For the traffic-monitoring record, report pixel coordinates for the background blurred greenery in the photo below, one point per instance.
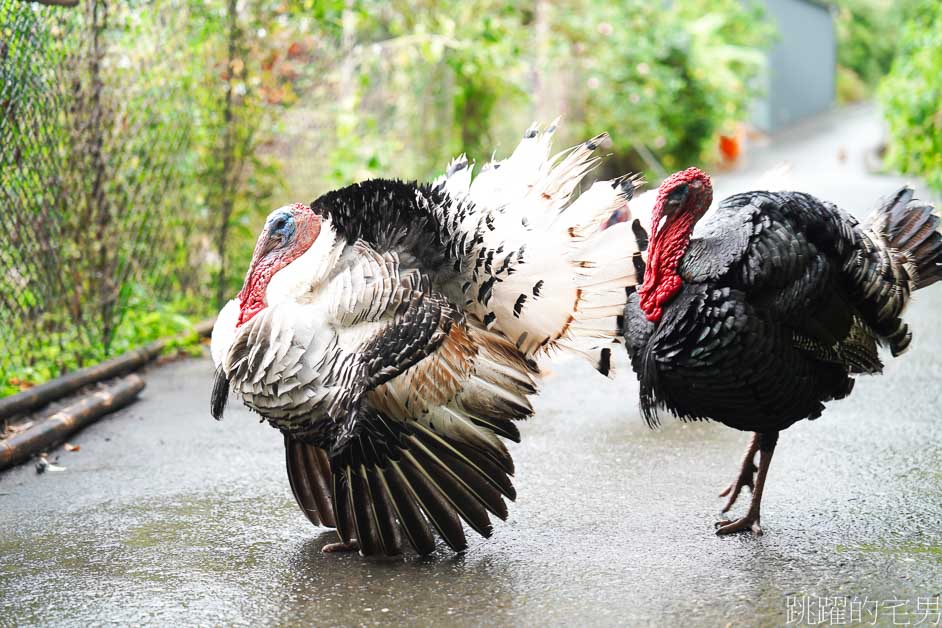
(192, 119)
(912, 95)
(868, 32)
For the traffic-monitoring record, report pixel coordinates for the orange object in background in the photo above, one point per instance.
(729, 147)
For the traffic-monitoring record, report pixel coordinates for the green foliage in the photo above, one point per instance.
(416, 84)
(868, 33)
(850, 88)
(912, 96)
(232, 83)
(640, 70)
(144, 321)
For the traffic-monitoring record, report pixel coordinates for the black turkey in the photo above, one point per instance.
(771, 310)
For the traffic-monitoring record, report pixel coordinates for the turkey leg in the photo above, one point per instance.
(746, 475)
(766, 446)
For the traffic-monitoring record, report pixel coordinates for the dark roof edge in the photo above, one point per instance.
(824, 4)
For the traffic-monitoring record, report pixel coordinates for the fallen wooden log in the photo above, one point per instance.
(56, 428)
(50, 391)
(57, 3)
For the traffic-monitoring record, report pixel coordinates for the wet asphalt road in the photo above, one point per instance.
(168, 517)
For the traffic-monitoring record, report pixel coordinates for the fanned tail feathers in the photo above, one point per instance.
(911, 226)
(429, 453)
(906, 256)
(409, 482)
(540, 270)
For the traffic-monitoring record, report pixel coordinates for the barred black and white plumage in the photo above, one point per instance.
(390, 330)
(773, 306)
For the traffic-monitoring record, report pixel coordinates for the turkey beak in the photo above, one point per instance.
(668, 211)
(661, 223)
(265, 245)
(672, 205)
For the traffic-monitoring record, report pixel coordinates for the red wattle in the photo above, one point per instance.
(662, 281)
(668, 245)
(252, 295)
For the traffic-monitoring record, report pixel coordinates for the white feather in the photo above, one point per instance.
(224, 331)
(297, 278)
(567, 275)
(642, 207)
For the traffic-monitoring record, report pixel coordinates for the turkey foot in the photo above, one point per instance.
(349, 546)
(740, 525)
(765, 444)
(746, 475)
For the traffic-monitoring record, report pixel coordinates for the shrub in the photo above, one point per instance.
(666, 77)
(912, 96)
(868, 32)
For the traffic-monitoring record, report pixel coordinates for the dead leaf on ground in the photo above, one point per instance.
(71, 447)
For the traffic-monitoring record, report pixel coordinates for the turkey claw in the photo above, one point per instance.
(727, 526)
(332, 548)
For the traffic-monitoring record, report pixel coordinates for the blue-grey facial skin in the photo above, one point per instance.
(281, 228)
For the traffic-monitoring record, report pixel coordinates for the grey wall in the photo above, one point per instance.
(800, 76)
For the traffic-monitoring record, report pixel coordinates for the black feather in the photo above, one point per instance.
(605, 361)
(309, 478)
(440, 513)
(383, 507)
(484, 292)
(451, 487)
(343, 515)
(476, 478)
(414, 525)
(389, 474)
(494, 469)
(220, 394)
(641, 236)
(518, 305)
(638, 262)
(364, 519)
(502, 427)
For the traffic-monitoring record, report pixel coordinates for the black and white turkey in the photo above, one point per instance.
(770, 308)
(390, 330)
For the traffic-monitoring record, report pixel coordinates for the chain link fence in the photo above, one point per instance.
(98, 220)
